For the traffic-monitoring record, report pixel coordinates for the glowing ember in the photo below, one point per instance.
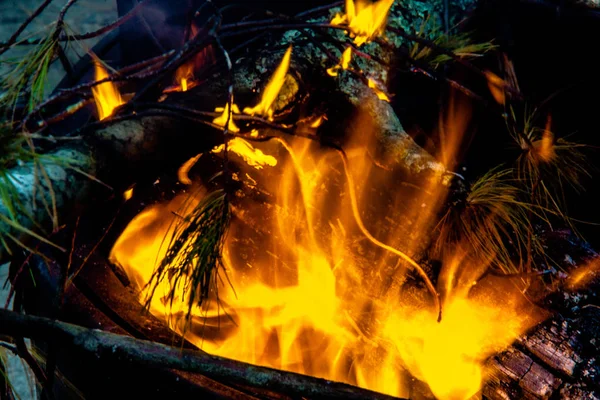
(365, 19)
(316, 297)
(106, 94)
(271, 91)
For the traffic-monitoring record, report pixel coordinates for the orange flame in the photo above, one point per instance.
(106, 95)
(310, 293)
(544, 148)
(343, 64)
(271, 91)
(380, 93)
(366, 19)
(227, 116)
(183, 74)
(496, 86)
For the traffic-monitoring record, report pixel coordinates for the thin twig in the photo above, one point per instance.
(120, 21)
(24, 25)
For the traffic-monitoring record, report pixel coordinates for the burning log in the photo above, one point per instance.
(127, 349)
(133, 145)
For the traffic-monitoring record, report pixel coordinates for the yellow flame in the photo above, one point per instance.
(343, 64)
(222, 119)
(311, 295)
(365, 19)
(380, 93)
(183, 171)
(184, 74)
(317, 122)
(106, 95)
(253, 157)
(128, 194)
(271, 91)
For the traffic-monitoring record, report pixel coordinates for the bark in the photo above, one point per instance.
(127, 349)
(123, 151)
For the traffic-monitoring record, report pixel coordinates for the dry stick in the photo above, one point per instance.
(356, 213)
(24, 25)
(110, 346)
(188, 51)
(120, 21)
(115, 77)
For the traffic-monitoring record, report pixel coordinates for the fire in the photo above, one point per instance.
(271, 91)
(183, 74)
(365, 19)
(227, 116)
(311, 293)
(106, 95)
(343, 64)
(380, 93)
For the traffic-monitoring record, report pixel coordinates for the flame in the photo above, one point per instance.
(380, 93)
(496, 86)
(271, 91)
(182, 172)
(128, 194)
(253, 157)
(227, 115)
(106, 95)
(312, 293)
(544, 147)
(365, 19)
(583, 275)
(343, 64)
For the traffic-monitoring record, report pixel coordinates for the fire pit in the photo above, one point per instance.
(272, 231)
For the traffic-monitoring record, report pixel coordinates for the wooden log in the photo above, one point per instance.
(127, 349)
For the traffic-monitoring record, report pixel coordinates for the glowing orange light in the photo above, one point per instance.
(380, 93)
(343, 64)
(227, 115)
(271, 91)
(545, 146)
(128, 194)
(182, 172)
(106, 95)
(314, 300)
(365, 19)
(496, 86)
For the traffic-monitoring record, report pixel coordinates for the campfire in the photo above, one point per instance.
(302, 231)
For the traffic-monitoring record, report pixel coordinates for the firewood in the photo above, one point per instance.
(127, 349)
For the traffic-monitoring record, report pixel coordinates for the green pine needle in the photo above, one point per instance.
(194, 253)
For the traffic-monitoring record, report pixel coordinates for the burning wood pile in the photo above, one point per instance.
(239, 208)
